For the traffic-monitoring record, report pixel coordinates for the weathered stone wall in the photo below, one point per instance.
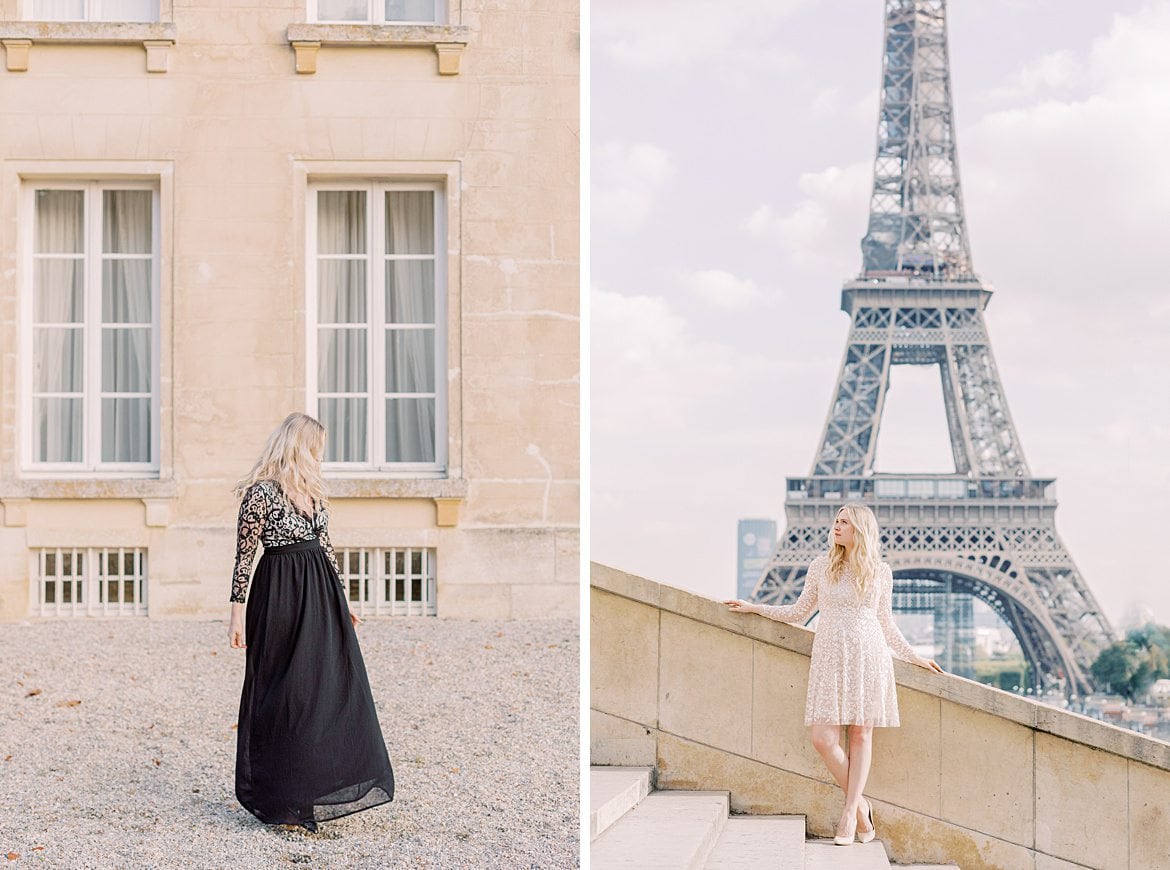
(974, 776)
(234, 134)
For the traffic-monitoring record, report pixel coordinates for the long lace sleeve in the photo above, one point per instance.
(253, 510)
(894, 638)
(327, 546)
(805, 606)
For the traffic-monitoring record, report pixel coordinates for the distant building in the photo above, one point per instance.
(756, 540)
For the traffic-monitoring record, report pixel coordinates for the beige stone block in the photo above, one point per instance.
(567, 564)
(527, 239)
(623, 658)
(1047, 862)
(618, 742)
(564, 502)
(520, 448)
(544, 601)
(1149, 816)
(507, 556)
(705, 689)
(463, 601)
(779, 735)
(986, 773)
(519, 335)
(1081, 812)
(914, 786)
(504, 503)
(911, 837)
(17, 54)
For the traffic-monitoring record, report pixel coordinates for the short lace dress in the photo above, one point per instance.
(851, 675)
(309, 746)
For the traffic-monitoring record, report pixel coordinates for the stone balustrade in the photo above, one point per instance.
(974, 776)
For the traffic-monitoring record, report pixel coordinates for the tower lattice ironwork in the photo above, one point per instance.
(987, 530)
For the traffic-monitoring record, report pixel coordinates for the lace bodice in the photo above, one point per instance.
(839, 599)
(267, 517)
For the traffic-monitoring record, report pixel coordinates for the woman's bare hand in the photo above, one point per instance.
(740, 606)
(236, 635)
(354, 618)
(930, 665)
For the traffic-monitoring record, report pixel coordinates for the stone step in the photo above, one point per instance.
(668, 830)
(760, 843)
(613, 792)
(826, 855)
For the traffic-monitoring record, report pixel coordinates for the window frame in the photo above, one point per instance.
(376, 15)
(91, 464)
(93, 581)
(376, 325)
(373, 579)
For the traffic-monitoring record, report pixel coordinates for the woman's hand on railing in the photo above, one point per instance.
(929, 664)
(740, 606)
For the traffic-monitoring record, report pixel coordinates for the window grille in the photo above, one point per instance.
(397, 581)
(95, 581)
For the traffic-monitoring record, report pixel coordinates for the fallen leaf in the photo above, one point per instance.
(8, 758)
(454, 769)
(156, 762)
(235, 725)
(33, 692)
(38, 848)
(68, 703)
(12, 856)
(499, 634)
(488, 646)
(552, 646)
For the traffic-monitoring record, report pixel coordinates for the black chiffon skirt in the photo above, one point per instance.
(309, 747)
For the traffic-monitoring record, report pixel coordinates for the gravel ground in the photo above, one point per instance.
(117, 748)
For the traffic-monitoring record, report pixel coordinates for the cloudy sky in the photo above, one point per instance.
(732, 155)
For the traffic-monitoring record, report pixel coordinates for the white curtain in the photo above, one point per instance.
(410, 348)
(411, 10)
(99, 10)
(126, 325)
(343, 327)
(343, 10)
(58, 323)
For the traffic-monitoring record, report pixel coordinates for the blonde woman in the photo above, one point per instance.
(308, 747)
(851, 675)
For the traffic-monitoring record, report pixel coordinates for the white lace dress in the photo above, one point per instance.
(851, 676)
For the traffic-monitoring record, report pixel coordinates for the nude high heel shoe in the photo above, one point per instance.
(866, 836)
(847, 841)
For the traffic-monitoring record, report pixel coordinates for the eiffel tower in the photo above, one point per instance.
(986, 531)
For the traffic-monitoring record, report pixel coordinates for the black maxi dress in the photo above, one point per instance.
(309, 747)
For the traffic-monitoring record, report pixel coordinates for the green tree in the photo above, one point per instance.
(1128, 667)
(1116, 666)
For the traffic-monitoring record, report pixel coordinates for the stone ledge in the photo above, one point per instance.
(89, 487)
(448, 41)
(968, 693)
(389, 487)
(156, 38)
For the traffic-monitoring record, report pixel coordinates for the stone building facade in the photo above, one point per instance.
(216, 212)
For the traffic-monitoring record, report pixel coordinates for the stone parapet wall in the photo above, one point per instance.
(974, 776)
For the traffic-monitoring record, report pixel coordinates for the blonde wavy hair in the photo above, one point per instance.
(292, 458)
(866, 555)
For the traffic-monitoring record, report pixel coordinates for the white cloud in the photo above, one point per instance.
(722, 289)
(654, 34)
(626, 179)
(826, 226)
(1056, 70)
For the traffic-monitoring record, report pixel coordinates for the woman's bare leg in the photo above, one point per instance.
(826, 739)
(860, 756)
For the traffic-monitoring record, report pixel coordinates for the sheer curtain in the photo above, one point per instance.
(342, 323)
(412, 10)
(99, 10)
(410, 326)
(126, 329)
(58, 325)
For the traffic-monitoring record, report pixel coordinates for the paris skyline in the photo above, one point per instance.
(730, 194)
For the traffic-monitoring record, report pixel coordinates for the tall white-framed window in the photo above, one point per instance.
(378, 11)
(90, 581)
(90, 319)
(91, 10)
(397, 581)
(376, 319)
